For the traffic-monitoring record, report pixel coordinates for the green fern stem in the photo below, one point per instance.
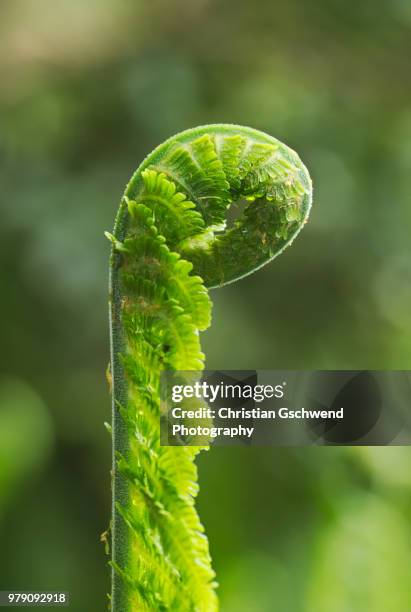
(175, 237)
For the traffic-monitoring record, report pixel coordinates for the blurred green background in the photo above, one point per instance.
(89, 88)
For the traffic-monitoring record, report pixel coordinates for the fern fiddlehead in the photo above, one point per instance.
(173, 239)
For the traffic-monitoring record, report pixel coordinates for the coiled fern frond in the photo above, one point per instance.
(176, 236)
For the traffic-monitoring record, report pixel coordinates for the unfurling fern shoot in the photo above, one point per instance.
(173, 240)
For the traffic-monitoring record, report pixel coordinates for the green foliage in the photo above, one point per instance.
(347, 571)
(173, 239)
(26, 437)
